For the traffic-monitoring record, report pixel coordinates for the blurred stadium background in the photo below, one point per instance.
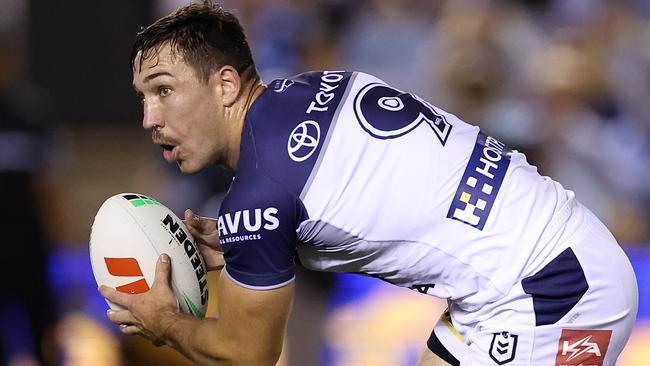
(566, 81)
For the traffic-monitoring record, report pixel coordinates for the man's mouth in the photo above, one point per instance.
(170, 153)
(170, 147)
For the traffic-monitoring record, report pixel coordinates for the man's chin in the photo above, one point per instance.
(187, 168)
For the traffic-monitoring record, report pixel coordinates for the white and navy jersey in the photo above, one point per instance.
(353, 175)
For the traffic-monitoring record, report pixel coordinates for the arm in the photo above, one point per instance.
(249, 331)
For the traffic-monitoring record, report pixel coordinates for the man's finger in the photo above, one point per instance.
(200, 224)
(213, 259)
(190, 218)
(194, 231)
(163, 270)
(121, 317)
(130, 329)
(188, 213)
(114, 296)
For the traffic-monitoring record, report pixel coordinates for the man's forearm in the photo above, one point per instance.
(205, 343)
(199, 340)
(249, 331)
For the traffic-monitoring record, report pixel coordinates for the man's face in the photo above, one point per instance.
(183, 111)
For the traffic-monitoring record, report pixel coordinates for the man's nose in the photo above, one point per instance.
(151, 117)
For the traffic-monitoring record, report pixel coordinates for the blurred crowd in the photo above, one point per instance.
(565, 81)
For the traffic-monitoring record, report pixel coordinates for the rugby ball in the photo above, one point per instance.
(128, 234)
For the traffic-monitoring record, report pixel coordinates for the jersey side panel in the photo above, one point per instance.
(390, 178)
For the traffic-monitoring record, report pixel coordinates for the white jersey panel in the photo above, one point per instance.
(379, 202)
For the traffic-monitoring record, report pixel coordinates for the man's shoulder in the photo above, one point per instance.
(286, 127)
(312, 95)
(254, 187)
(308, 81)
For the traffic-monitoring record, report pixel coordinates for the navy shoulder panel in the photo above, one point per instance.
(284, 132)
(286, 128)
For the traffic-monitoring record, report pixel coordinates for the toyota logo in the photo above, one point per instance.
(303, 141)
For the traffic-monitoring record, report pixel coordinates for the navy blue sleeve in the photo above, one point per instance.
(257, 229)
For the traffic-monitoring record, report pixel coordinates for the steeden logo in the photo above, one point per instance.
(303, 141)
(582, 347)
(127, 267)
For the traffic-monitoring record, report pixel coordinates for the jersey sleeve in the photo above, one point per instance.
(257, 229)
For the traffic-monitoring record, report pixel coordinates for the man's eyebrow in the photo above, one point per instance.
(149, 78)
(155, 75)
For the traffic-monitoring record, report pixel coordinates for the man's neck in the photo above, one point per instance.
(237, 116)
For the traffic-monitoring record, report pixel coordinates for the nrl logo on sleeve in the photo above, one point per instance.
(503, 347)
(582, 347)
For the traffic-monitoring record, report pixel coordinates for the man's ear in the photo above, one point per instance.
(228, 80)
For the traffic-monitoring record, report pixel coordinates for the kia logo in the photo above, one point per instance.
(303, 141)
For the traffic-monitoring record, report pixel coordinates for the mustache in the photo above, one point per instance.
(162, 139)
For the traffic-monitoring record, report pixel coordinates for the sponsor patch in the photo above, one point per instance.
(481, 182)
(582, 347)
(303, 141)
(503, 347)
(246, 223)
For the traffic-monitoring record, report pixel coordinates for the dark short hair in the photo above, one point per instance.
(205, 35)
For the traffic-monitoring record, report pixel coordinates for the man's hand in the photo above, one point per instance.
(148, 314)
(206, 236)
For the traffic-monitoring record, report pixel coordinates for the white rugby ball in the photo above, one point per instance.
(130, 231)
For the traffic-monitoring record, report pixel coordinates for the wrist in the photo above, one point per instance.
(176, 328)
(166, 331)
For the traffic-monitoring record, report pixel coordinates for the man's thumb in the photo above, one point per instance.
(163, 269)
